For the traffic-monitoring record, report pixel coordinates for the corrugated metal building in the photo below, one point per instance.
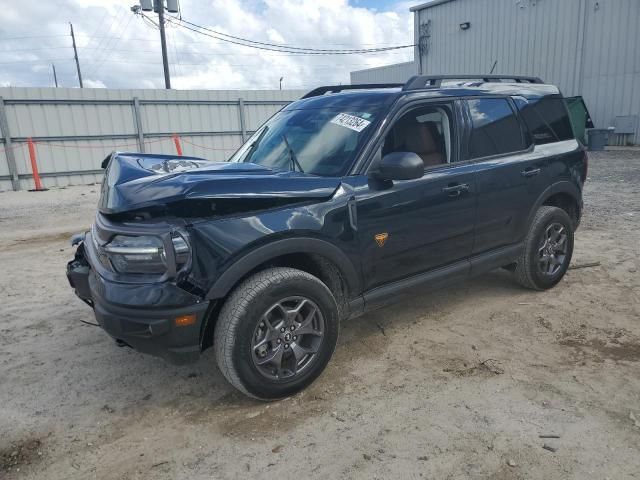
(397, 73)
(586, 47)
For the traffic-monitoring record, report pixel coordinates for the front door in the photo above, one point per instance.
(408, 227)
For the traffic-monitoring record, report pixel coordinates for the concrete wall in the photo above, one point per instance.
(586, 47)
(75, 129)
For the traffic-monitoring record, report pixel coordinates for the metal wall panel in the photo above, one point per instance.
(586, 47)
(75, 129)
(396, 73)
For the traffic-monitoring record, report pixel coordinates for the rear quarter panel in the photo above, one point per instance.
(567, 163)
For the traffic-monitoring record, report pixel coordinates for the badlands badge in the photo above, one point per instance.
(381, 238)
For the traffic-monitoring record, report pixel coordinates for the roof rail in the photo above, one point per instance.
(338, 88)
(418, 82)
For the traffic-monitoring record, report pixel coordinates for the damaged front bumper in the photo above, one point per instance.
(159, 319)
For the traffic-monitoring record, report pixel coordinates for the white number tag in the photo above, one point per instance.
(351, 122)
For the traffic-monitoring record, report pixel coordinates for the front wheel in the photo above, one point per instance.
(547, 250)
(276, 333)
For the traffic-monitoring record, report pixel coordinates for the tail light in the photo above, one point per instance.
(585, 162)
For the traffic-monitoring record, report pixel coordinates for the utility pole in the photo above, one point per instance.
(75, 54)
(55, 77)
(158, 6)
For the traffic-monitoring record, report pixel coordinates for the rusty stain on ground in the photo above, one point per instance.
(599, 349)
(489, 366)
(40, 239)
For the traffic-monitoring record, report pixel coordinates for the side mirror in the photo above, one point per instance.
(400, 166)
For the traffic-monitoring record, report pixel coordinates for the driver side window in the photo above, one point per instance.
(425, 131)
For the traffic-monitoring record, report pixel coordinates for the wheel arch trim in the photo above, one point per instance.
(564, 186)
(299, 245)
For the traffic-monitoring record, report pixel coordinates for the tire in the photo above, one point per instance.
(532, 271)
(252, 351)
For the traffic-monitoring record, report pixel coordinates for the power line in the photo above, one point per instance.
(182, 64)
(280, 47)
(34, 49)
(208, 42)
(152, 40)
(158, 7)
(197, 53)
(105, 47)
(176, 64)
(102, 44)
(135, 39)
(108, 53)
(40, 60)
(337, 52)
(97, 28)
(32, 36)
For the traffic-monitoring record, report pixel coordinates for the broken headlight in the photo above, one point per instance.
(145, 254)
(182, 251)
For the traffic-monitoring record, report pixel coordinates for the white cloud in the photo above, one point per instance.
(274, 36)
(89, 83)
(120, 50)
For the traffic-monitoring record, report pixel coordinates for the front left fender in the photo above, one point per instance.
(299, 245)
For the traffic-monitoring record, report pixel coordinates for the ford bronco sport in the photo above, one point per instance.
(341, 203)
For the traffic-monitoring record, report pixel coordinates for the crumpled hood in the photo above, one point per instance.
(138, 180)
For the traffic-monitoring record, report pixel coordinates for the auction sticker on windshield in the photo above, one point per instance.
(351, 122)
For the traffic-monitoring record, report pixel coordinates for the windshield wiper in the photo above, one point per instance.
(292, 156)
(254, 146)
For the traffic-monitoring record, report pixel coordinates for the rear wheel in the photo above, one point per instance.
(276, 333)
(547, 251)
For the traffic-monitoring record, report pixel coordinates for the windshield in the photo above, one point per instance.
(317, 141)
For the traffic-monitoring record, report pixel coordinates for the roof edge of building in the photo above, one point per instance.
(391, 65)
(432, 3)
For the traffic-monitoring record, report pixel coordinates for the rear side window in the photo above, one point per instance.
(495, 128)
(547, 119)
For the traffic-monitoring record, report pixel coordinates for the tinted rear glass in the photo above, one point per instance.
(496, 130)
(547, 120)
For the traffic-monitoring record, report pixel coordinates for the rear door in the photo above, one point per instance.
(510, 174)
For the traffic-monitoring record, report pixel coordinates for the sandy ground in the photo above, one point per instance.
(456, 384)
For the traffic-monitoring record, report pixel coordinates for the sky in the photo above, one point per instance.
(118, 49)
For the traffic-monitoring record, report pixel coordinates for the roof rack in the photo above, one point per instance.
(339, 88)
(418, 82)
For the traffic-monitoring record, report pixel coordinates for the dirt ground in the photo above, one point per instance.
(461, 383)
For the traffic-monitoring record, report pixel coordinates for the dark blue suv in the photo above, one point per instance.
(342, 202)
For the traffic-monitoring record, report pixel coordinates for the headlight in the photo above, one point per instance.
(182, 251)
(145, 254)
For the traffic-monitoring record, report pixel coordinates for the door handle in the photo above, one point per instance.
(530, 172)
(456, 189)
